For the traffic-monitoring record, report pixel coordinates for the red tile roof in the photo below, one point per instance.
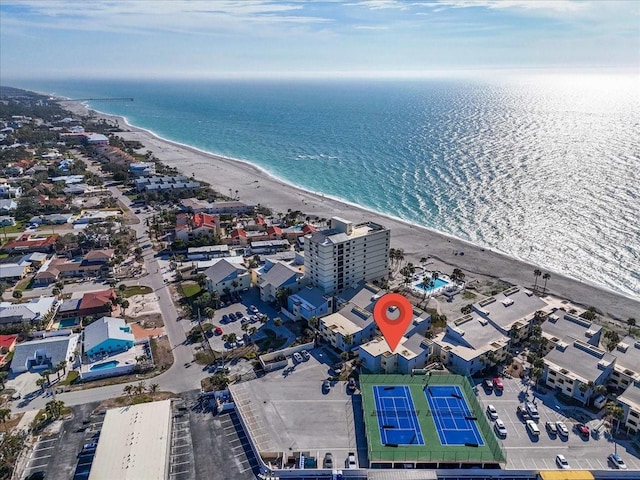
(97, 299)
(7, 341)
(260, 221)
(238, 232)
(28, 242)
(308, 229)
(204, 220)
(274, 231)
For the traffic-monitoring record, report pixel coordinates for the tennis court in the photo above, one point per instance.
(454, 421)
(397, 416)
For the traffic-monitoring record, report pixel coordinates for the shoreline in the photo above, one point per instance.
(258, 186)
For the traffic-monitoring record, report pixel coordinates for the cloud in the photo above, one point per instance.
(371, 27)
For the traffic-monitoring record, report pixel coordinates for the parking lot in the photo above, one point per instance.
(288, 411)
(525, 451)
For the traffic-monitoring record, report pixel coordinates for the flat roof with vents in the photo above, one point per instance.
(134, 443)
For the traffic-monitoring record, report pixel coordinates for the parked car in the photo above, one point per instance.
(225, 318)
(492, 413)
(561, 461)
(617, 462)
(351, 385)
(533, 428)
(351, 460)
(532, 410)
(552, 428)
(297, 357)
(239, 314)
(326, 386)
(305, 355)
(522, 413)
(232, 317)
(497, 384)
(337, 367)
(254, 309)
(328, 461)
(488, 383)
(582, 430)
(500, 428)
(562, 429)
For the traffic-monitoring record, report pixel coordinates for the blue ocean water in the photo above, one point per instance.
(542, 167)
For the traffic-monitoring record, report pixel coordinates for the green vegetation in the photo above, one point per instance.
(272, 342)
(190, 289)
(72, 377)
(467, 295)
(204, 357)
(137, 290)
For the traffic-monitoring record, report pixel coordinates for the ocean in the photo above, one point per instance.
(542, 167)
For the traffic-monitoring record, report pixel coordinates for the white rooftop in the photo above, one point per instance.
(134, 443)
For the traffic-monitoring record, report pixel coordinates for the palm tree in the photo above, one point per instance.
(632, 323)
(3, 376)
(546, 277)
(139, 388)
(124, 304)
(614, 412)
(128, 390)
(41, 382)
(314, 322)
(536, 273)
(46, 374)
(54, 408)
(153, 388)
(17, 294)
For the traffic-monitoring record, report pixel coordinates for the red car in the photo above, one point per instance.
(218, 331)
(582, 429)
(497, 383)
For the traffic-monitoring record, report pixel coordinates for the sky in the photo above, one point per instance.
(252, 38)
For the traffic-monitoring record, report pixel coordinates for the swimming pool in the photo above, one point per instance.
(105, 365)
(436, 284)
(67, 322)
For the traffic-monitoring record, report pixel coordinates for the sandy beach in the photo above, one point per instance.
(258, 187)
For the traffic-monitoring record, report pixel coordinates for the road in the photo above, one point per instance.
(178, 378)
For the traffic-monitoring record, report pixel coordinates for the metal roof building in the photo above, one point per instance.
(134, 443)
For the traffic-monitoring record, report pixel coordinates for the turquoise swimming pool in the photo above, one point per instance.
(105, 365)
(67, 323)
(436, 284)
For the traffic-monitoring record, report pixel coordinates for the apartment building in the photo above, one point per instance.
(630, 403)
(345, 254)
(560, 324)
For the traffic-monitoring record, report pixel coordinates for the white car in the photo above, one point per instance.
(562, 462)
(532, 410)
(562, 429)
(617, 462)
(500, 428)
(253, 309)
(351, 460)
(533, 428)
(492, 412)
(297, 357)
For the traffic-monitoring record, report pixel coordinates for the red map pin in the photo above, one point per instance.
(393, 328)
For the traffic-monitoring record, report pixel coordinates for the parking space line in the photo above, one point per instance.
(181, 463)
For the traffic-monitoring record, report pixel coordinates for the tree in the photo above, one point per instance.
(124, 304)
(457, 275)
(632, 323)
(3, 376)
(139, 388)
(536, 273)
(46, 374)
(277, 321)
(612, 339)
(546, 277)
(17, 294)
(128, 390)
(41, 382)
(314, 322)
(5, 413)
(54, 408)
(122, 288)
(153, 388)
(614, 412)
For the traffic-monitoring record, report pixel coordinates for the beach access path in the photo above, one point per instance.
(256, 186)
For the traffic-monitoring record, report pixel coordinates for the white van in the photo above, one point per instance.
(533, 428)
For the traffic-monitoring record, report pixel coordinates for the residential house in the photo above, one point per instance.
(270, 246)
(225, 276)
(106, 336)
(159, 184)
(411, 353)
(95, 304)
(7, 205)
(238, 236)
(199, 224)
(94, 263)
(309, 302)
(7, 221)
(31, 243)
(96, 139)
(279, 275)
(574, 364)
(12, 272)
(7, 345)
(32, 312)
(44, 354)
(10, 191)
(208, 252)
(142, 169)
(345, 254)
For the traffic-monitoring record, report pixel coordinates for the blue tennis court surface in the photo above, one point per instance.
(397, 416)
(452, 417)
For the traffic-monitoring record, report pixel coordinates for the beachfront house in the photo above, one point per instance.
(225, 276)
(106, 336)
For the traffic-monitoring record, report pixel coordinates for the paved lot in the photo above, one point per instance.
(218, 445)
(525, 452)
(288, 412)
